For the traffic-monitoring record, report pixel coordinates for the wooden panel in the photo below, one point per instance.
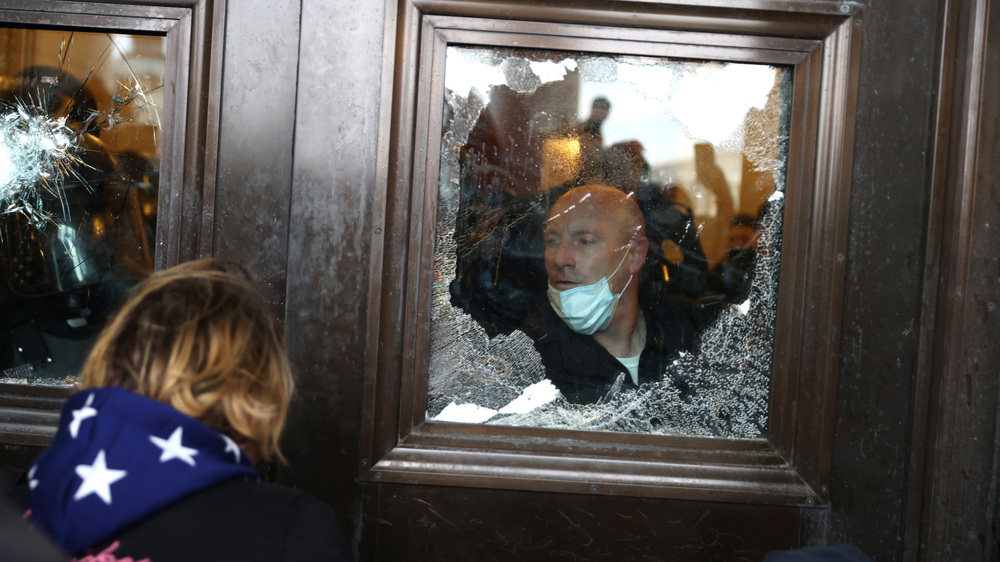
(334, 211)
(336, 136)
(332, 218)
(29, 415)
(254, 182)
(956, 488)
(399, 447)
(881, 327)
(421, 523)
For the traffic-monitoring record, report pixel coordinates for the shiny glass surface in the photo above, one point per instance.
(700, 146)
(80, 135)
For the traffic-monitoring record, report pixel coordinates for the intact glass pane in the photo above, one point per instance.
(79, 174)
(607, 242)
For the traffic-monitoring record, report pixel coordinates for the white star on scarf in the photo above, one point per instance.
(97, 479)
(232, 446)
(81, 414)
(172, 447)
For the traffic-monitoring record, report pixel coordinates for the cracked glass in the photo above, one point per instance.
(607, 242)
(79, 176)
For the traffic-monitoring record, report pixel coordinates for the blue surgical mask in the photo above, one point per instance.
(588, 308)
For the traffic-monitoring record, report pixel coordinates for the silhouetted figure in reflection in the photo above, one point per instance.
(600, 330)
(591, 139)
(138, 185)
(731, 277)
(72, 251)
(676, 264)
(590, 129)
(710, 178)
(499, 273)
(624, 167)
(503, 266)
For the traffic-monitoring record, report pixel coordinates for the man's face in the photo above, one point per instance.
(583, 244)
(742, 237)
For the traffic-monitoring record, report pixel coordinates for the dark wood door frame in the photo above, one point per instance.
(952, 504)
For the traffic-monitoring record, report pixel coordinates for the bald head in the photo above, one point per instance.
(611, 204)
(592, 229)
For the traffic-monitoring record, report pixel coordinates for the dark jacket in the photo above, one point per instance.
(242, 520)
(127, 477)
(585, 372)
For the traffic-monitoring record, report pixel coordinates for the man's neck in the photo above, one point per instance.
(626, 335)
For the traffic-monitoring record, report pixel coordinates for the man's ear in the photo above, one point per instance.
(637, 257)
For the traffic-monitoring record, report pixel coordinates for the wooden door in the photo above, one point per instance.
(303, 104)
(908, 400)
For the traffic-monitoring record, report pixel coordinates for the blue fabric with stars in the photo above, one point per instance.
(118, 457)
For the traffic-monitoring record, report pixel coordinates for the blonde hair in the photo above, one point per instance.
(200, 338)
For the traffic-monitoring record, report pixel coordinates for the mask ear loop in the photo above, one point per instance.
(627, 283)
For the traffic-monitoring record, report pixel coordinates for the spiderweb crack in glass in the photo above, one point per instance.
(37, 152)
(79, 181)
(730, 374)
(40, 148)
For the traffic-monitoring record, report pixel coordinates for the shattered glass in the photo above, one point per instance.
(80, 135)
(699, 145)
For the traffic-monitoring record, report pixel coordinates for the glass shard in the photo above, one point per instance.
(697, 150)
(80, 136)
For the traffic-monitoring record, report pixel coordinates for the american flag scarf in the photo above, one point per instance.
(118, 457)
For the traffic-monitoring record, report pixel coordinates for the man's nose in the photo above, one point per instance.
(562, 255)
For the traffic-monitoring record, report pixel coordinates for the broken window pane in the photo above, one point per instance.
(607, 242)
(79, 175)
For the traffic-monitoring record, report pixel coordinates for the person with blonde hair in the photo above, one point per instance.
(185, 389)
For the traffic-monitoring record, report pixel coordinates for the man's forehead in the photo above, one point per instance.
(578, 203)
(576, 217)
(595, 207)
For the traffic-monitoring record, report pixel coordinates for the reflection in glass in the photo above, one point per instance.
(698, 149)
(79, 176)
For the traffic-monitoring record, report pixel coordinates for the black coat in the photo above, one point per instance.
(238, 519)
(585, 372)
